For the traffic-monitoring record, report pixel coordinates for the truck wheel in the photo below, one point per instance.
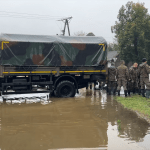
(65, 89)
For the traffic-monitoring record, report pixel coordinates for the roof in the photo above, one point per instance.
(111, 54)
(52, 39)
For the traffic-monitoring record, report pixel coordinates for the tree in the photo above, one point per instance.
(80, 33)
(90, 34)
(132, 32)
(112, 47)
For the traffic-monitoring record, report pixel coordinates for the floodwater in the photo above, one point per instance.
(88, 121)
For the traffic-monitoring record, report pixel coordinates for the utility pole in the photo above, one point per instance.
(66, 21)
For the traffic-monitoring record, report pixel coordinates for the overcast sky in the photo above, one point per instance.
(95, 16)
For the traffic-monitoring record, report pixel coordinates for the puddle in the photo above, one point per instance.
(87, 121)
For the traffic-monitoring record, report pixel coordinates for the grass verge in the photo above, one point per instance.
(138, 104)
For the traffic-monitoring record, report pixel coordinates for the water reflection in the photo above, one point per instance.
(84, 121)
(132, 127)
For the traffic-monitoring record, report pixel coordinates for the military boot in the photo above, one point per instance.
(109, 91)
(125, 92)
(129, 92)
(139, 91)
(133, 91)
(147, 93)
(114, 92)
(136, 91)
(143, 92)
(118, 92)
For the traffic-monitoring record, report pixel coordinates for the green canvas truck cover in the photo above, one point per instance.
(43, 50)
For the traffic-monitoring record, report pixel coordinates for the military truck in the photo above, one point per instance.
(60, 64)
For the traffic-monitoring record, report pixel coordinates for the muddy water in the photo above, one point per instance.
(88, 121)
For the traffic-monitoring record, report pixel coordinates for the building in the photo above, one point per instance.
(113, 55)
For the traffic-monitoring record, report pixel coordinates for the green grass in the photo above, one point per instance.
(119, 121)
(119, 125)
(136, 103)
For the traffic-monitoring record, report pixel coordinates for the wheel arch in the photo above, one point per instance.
(66, 77)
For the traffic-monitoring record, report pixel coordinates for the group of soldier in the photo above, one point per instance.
(133, 79)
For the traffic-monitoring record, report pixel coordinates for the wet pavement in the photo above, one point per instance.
(90, 120)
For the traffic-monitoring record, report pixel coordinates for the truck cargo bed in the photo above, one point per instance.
(31, 50)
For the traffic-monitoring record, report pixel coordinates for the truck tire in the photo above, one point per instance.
(65, 89)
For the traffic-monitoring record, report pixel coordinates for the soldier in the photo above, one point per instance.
(133, 78)
(143, 72)
(122, 77)
(112, 79)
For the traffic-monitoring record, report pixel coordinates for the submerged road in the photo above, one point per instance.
(88, 121)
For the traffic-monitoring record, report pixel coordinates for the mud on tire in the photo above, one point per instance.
(65, 89)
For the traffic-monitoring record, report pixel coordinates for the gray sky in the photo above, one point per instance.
(95, 16)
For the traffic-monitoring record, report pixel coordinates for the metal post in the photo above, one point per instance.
(66, 24)
(68, 27)
(30, 83)
(64, 27)
(87, 86)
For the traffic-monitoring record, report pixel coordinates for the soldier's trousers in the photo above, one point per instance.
(122, 82)
(112, 85)
(129, 86)
(132, 85)
(143, 82)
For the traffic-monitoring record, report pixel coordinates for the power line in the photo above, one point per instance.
(31, 14)
(28, 17)
(60, 28)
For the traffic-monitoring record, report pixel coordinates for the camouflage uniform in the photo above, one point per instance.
(122, 77)
(143, 72)
(133, 84)
(112, 79)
